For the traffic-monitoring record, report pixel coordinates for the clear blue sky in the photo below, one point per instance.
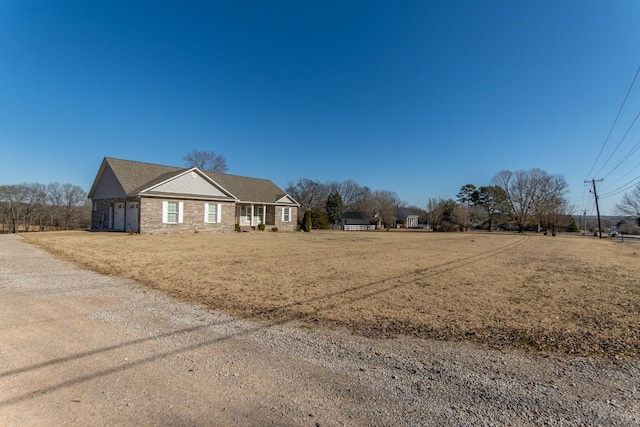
(416, 97)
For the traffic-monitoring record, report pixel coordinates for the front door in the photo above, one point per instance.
(260, 214)
(244, 215)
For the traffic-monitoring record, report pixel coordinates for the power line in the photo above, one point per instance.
(613, 125)
(622, 188)
(616, 149)
(622, 177)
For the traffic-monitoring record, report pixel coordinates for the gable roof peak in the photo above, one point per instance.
(136, 176)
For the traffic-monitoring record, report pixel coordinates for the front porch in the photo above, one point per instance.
(251, 215)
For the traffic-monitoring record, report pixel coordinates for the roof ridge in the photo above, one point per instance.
(239, 176)
(185, 168)
(144, 163)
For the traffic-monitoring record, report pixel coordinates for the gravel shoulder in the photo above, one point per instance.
(80, 348)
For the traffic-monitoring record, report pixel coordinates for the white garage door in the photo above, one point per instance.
(133, 224)
(118, 216)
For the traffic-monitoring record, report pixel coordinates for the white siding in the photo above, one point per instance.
(284, 200)
(108, 187)
(191, 183)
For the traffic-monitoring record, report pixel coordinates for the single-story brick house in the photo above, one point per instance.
(149, 198)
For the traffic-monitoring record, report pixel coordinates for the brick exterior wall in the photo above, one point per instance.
(291, 225)
(100, 216)
(192, 218)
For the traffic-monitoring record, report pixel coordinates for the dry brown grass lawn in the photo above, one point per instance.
(577, 295)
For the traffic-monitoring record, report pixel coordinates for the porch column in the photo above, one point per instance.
(253, 214)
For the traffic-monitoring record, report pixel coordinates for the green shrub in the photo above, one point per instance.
(319, 220)
(261, 227)
(307, 221)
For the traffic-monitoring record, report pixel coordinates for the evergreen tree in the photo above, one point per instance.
(572, 227)
(493, 200)
(468, 195)
(334, 207)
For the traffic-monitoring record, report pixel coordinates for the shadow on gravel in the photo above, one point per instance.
(121, 367)
(279, 320)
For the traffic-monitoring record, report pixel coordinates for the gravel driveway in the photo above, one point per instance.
(79, 348)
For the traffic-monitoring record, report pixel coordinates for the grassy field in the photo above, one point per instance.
(568, 294)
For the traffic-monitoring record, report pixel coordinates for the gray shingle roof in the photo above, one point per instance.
(138, 176)
(248, 189)
(355, 215)
(134, 176)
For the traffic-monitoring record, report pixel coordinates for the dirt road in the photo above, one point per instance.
(79, 348)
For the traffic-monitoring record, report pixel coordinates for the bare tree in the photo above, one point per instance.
(629, 226)
(435, 213)
(54, 203)
(365, 201)
(310, 194)
(351, 193)
(380, 206)
(12, 202)
(73, 201)
(555, 215)
(630, 204)
(34, 203)
(206, 160)
(529, 193)
(383, 206)
(462, 215)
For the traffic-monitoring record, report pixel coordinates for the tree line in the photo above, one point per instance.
(322, 204)
(33, 206)
(513, 201)
(630, 204)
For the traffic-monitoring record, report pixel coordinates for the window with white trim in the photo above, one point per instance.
(172, 212)
(212, 212)
(286, 214)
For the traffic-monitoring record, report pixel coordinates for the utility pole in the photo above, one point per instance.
(593, 182)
